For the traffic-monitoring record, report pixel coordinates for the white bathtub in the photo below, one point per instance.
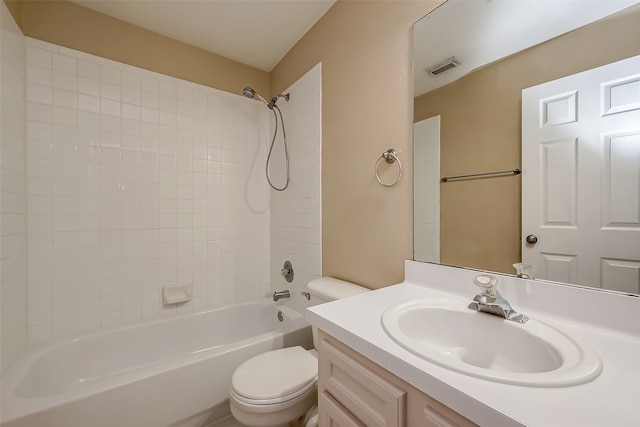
(173, 372)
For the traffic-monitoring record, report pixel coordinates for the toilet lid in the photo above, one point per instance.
(275, 374)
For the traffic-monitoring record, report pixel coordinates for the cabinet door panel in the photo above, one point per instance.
(369, 397)
(367, 394)
(438, 415)
(333, 414)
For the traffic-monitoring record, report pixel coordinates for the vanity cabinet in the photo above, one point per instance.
(355, 392)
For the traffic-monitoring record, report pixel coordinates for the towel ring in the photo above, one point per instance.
(391, 155)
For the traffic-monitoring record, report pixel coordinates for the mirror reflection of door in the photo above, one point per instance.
(426, 207)
(581, 180)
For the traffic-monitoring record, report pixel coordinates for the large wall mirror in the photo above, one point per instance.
(472, 61)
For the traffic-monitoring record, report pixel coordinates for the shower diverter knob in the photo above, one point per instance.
(287, 271)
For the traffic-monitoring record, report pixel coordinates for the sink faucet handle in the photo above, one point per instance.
(488, 284)
(523, 270)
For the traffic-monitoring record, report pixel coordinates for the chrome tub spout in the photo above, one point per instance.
(281, 294)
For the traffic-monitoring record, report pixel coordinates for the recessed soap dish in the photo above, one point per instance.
(176, 294)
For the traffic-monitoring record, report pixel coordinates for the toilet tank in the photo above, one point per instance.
(326, 289)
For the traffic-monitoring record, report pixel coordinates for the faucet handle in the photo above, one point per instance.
(523, 270)
(487, 283)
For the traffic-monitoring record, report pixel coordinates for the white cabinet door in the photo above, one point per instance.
(333, 414)
(581, 177)
(363, 393)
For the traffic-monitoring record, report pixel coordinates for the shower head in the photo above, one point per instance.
(250, 93)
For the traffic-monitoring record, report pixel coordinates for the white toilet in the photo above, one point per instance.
(279, 387)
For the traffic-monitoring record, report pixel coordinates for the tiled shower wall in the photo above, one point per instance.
(296, 220)
(137, 181)
(426, 207)
(13, 226)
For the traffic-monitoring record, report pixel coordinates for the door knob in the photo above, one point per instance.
(531, 239)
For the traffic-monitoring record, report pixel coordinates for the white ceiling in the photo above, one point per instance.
(479, 32)
(254, 32)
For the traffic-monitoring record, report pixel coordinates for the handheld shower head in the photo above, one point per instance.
(250, 93)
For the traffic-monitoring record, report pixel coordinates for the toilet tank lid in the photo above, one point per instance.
(331, 289)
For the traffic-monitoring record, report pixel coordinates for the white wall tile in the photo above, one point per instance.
(40, 58)
(39, 75)
(137, 180)
(39, 93)
(65, 64)
(88, 86)
(426, 209)
(14, 320)
(64, 81)
(121, 196)
(296, 225)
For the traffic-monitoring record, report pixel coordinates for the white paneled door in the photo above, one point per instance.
(581, 177)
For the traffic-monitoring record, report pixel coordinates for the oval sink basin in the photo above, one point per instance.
(485, 346)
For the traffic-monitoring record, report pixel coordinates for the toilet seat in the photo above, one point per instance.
(276, 376)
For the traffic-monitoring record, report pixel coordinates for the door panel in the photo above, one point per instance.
(581, 177)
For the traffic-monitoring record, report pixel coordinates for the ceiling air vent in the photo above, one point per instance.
(446, 65)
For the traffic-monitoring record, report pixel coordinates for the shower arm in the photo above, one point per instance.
(275, 99)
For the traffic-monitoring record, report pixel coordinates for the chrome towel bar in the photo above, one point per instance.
(475, 175)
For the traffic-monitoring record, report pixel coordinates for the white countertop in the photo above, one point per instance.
(612, 399)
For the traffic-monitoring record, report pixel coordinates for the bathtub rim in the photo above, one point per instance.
(15, 406)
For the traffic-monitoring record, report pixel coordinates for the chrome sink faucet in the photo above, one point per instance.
(281, 294)
(490, 301)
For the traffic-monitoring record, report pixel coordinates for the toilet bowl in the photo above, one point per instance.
(279, 387)
(274, 388)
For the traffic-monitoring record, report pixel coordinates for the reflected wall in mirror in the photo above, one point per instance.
(480, 118)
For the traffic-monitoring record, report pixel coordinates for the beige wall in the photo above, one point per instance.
(365, 50)
(70, 25)
(480, 131)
